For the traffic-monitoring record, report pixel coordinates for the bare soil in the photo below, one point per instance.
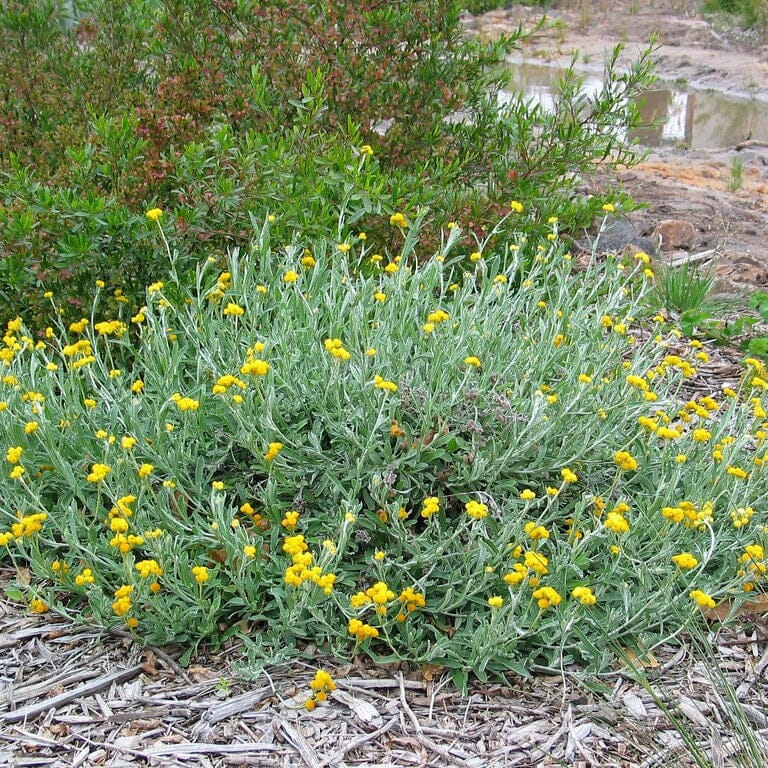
(674, 183)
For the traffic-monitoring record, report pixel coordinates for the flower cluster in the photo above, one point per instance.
(302, 568)
(336, 348)
(321, 686)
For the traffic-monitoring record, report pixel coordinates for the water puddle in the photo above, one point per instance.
(682, 117)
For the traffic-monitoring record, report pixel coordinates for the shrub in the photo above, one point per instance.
(753, 14)
(485, 473)
(218, 111)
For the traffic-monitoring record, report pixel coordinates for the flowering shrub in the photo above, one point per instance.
(485, 472)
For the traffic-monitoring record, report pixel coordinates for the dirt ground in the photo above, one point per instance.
(676, 183)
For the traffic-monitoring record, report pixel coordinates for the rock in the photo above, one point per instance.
(743, 270)
(673, 234)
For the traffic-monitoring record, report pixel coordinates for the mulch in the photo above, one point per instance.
(72, 696)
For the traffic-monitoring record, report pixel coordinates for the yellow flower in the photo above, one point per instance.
(559, 340)
(322, 682)
(536, 562)
(516, 206)
(516, 576)
(274, 449)
(255, 368)
(584, 595)
(568, 476)
(616, 522)
(111, 327)
(200, 572)
(185, 403)
(30, 427)
(154, 214)
(290, 519)
(217, 485)
(527, 494)
(145, 470)
(609, 208)
(536, 532)
(380, 296)
(13, 456)
(702, 598)
(547, 597)
(398, 220)
(495, 601)
(476, 510)
(625, 461)
(128, 442)
(233, 310)
(344, 247)
(361, 631)
(147, 568)
(430, 506)
(741, 516)
(335, 347)
(122, 605)
(381, 383)
(637, 382)
(685, 560)
(84, 577)
(472, 361)
(38, 606)
(438, 316)
(98, 473)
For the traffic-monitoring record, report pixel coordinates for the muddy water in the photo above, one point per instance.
(682, 117)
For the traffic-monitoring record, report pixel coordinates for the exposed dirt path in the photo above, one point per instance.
(676, 183)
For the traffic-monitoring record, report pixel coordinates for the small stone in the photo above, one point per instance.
(674, 233)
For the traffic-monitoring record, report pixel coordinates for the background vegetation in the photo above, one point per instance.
(220, 111)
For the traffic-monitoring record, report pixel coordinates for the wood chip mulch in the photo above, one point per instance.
(73, 696)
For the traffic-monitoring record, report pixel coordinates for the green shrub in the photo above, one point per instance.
(219, 111)
(485, 473)
(752, 14)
